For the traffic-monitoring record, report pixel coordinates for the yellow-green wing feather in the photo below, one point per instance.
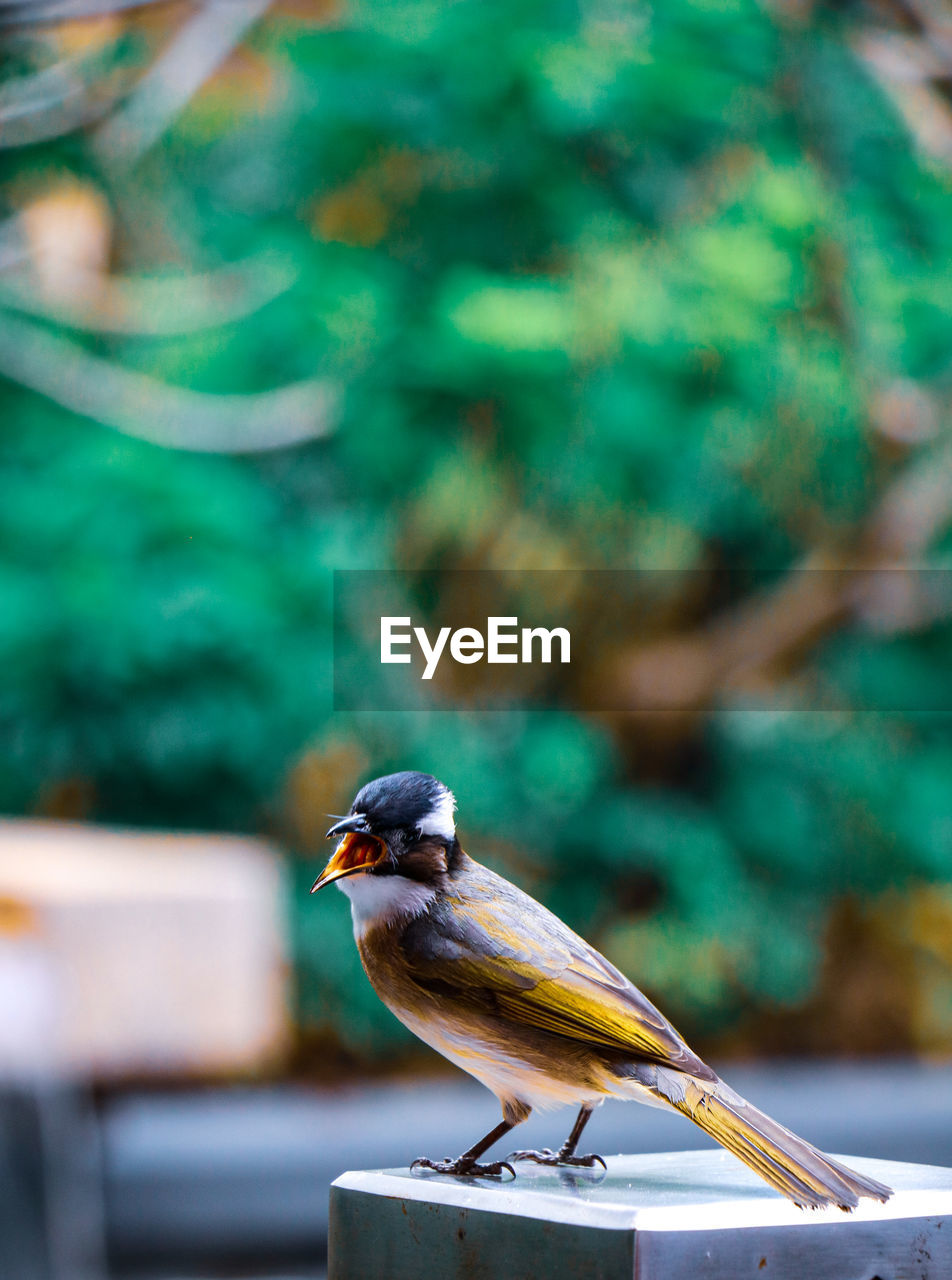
(492, 946)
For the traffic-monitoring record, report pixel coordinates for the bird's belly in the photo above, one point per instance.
(506, 1074)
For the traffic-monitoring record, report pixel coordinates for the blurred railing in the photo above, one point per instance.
(240, 1177)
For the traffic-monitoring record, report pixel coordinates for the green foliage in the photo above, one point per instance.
(602, 286)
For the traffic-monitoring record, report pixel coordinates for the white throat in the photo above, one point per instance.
(377, 901)
(439, 821)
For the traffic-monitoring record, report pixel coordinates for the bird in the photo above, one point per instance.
(500, 986)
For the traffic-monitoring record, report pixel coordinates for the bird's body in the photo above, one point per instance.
(500, 986)
(573, 1021)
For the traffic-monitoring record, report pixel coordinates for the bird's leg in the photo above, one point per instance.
(466, 1165)
(566, 1153)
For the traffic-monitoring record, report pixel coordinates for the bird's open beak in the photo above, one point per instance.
(357, 851)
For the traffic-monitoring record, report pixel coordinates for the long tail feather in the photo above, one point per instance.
(809, 1178)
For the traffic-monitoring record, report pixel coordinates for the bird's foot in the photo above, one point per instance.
(464, 1167)
(556, 1158)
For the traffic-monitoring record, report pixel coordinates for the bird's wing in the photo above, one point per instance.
(493, 947)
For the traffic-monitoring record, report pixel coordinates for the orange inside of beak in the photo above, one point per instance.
(356, 852)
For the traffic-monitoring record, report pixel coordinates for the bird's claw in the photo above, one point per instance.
(545, 1156)
(554, 1158)
(463, 1168)
(588, 1162)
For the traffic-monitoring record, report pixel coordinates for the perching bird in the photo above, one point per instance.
(500, 986)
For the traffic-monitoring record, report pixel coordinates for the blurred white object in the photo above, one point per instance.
(126, 953)
(27, 998)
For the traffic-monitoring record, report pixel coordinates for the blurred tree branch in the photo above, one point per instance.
(748, 646)
(197, 48)
(912, 59)
(143, 307)
(24, 13)
(173, 417)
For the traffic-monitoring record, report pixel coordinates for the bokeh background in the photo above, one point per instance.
(293, 287)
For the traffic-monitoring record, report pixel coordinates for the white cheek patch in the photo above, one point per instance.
(439, 821)
(383, 900)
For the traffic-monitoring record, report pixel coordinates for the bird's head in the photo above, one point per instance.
(398, 825)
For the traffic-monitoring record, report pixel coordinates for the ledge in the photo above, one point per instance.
(678, 1216)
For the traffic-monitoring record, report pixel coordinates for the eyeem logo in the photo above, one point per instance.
(502, 643)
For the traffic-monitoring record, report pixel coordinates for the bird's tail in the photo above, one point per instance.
(795, 1168)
